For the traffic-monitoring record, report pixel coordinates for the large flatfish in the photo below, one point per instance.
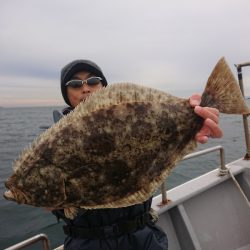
(116, 148)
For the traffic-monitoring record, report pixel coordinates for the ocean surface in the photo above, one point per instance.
(19, 127)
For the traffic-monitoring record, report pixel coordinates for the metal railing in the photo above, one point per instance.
(223, 168)
(245, 121)
(32, 241)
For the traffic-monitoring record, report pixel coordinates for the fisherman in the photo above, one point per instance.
(130, 227)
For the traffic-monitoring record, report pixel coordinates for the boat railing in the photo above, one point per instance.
(31, 241)
(222, 168)
(245, 121)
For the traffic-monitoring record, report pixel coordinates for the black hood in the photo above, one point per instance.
(75, 66)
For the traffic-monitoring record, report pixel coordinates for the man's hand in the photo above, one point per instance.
(210, 126)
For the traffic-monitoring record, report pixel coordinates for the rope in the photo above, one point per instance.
(239, 188)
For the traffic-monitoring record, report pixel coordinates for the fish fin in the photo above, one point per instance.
(71, 212)
(223, 92)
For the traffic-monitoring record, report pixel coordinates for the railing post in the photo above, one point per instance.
(245, 121)
(164, 199)
(223, 169)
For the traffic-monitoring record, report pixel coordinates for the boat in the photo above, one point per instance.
(210, 212)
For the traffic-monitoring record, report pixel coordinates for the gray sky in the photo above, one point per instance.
(169, 45)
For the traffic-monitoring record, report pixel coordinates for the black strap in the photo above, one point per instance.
(114, 230)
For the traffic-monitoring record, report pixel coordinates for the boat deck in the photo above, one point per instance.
(209, 212)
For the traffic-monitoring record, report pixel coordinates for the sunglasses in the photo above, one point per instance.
(94, 80)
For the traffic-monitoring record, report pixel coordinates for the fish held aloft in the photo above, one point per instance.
(116, 148)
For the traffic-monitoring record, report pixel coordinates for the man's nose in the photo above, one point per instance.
(85, 87)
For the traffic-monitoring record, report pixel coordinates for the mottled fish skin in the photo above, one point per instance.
(102, 160)
(116, 149)
(137, 152)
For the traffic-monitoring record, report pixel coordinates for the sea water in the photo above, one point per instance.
(19, 127)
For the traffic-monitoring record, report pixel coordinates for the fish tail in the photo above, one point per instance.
(223, 92)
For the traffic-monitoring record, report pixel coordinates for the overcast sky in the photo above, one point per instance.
(169, 45)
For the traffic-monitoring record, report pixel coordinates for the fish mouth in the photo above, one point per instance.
(8, 195)
(16, 195)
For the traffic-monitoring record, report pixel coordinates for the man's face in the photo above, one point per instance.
(76, 95)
